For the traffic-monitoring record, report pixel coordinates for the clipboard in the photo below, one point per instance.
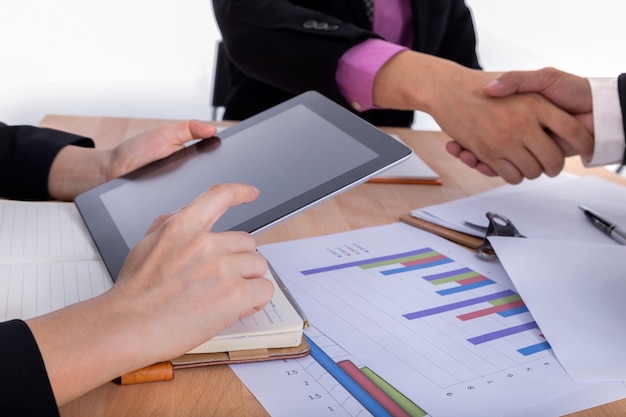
(464, 239)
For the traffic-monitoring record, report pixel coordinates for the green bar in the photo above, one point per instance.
(407, 405)
(504, 300)
(454, 278)
(400, 260)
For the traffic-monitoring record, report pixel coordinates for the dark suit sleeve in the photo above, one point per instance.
(24, 386)
(281, 48)
(292, 47)
(621, 86)
(26, 155)
(459, 37)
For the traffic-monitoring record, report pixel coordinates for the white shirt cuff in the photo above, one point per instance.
(607, 122)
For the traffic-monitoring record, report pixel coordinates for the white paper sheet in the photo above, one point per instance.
(431, 360)
(576, 292)
(547, 209)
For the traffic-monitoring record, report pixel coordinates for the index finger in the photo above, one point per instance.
(209, 206)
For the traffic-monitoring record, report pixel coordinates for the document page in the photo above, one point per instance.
(437, 324)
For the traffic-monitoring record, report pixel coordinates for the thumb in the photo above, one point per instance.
(516, 82)
(497, 89)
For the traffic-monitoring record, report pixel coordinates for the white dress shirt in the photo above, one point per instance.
(607, 122)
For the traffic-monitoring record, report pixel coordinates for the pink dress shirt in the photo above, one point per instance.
(358, 67)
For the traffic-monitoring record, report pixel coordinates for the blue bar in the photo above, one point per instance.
(465, 287)
(415, 267)
(529, 350)
(348, 383)
(513, 311)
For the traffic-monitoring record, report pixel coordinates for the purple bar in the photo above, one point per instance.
(364, 262)
(502, 333)
(460, 304)
(447, 274)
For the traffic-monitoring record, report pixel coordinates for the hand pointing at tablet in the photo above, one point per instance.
(180, 286)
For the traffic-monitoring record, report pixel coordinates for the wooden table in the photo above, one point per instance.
(216, 391)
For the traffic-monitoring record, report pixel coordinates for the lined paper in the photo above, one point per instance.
(47, 259)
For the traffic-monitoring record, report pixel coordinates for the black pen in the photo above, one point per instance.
(611, 229)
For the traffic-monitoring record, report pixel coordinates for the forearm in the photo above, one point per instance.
(415, 81)
(74, 170)
(87, 344)
(26, 155)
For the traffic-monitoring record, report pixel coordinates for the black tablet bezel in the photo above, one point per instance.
(112, 246)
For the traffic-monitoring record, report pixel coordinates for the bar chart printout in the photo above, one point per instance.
(329, 381)
(439, 325)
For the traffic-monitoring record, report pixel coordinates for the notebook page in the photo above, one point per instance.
(47, 259)
(29, 290)
(43, 232)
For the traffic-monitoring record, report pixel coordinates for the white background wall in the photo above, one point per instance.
(153, 58)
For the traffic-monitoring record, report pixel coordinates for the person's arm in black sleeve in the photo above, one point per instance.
(459, 38)
(26, 155)
(288, 46)
(24, 386)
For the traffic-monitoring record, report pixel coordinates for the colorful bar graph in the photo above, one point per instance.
(407, 405)
(346, 381)
(464, 277)
(513, 306)
(374, 393)
(457, 305)
(456, 280)
(372, 389)
(372, 262)
(435, 260)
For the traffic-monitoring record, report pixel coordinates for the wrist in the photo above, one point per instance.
(413, 81)
(76, 169)
(87, 344)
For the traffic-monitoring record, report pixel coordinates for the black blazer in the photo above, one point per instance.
(281, 48)
(26, 155)
(621, 86)
(24, 387)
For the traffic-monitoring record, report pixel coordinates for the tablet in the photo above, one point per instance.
(297, 154)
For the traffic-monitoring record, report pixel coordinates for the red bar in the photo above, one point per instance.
(471, 280)
(491, 310)
(424, 261)
(372, 389)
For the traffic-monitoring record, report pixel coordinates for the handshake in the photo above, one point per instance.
(524, 123)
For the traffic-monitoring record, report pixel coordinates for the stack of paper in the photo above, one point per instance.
(543, 209)
(569, 274)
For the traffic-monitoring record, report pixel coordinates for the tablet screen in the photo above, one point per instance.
(297, 154)
(314, 156)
